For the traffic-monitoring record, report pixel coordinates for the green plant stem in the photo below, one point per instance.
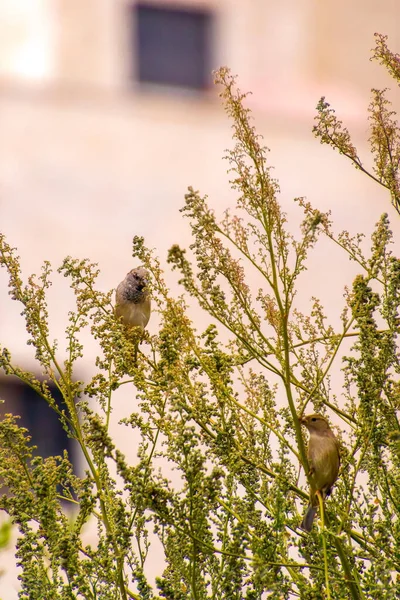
(328, 366)
(76, 423)
(323, 534)
(350, 577)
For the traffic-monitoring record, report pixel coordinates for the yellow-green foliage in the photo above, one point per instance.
(223, 414)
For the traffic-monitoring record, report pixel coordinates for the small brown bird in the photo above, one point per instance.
(132, 299)
(323, 456)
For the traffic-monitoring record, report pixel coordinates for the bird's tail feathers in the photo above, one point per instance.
(308, 519)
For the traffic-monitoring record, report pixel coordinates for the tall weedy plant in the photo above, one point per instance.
(221, 406)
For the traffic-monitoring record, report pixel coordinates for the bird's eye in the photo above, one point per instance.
(314, 419)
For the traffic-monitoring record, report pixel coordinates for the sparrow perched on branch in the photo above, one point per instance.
(323, 456)
(132, 299)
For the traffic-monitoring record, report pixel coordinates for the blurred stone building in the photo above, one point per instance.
(108, 113)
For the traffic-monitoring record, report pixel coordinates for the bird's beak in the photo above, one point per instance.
(303, 420)
(143, 283)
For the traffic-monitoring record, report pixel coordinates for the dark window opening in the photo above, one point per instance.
(37, 417)
(173, 46)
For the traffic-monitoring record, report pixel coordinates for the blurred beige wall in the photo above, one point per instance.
(89, 157)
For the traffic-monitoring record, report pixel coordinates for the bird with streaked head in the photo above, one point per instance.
(132, 299)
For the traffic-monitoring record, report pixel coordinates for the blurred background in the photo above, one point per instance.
(108, 113)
